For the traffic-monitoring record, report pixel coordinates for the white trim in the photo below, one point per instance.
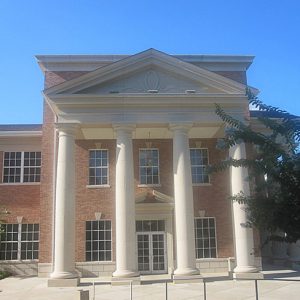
(202, 184)
(139, 61)
(20, 183)
(14, 133)
(91, 62)
(105, 167)
(216, 239)
(103, 186)
(21, 167)
(209, 180)
(111, 240)
(149, 185)
(158, 166)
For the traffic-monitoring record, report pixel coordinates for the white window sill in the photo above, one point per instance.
(103, 186)
(20, 183)
(148, 185)
(15, 261)
(202, 184)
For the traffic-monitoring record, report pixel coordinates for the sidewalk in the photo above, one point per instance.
(218, 288)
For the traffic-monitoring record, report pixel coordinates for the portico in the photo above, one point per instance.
(162, 104)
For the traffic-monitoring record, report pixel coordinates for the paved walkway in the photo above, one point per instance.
(276, 286)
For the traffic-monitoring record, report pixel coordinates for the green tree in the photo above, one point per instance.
(273, 165)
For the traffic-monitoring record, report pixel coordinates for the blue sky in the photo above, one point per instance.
(270, 30)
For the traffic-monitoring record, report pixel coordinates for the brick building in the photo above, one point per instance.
(114, 181)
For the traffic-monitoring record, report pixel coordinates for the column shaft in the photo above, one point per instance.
(126, 265)
(244, 245)
(184, 207)
(64, 248)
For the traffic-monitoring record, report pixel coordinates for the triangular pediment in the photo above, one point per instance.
(150, 71)
(150, 80)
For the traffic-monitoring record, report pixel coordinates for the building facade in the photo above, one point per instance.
(114, 181)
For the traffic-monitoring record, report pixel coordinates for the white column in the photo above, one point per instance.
(64, 248)
(244, 245)
(184, 207)
(126, 254)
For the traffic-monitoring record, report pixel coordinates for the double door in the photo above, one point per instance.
(151, 252)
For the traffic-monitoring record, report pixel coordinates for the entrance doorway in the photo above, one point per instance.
(151, 244)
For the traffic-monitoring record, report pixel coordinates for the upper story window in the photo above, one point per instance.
(199, 162)
(98, 167)
(149, 166)
(20, 167)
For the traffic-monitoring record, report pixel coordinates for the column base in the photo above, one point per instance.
(125, 274)
(63, 275)
(255, 275)
(245, 269)
(63, 282)
(186, 272)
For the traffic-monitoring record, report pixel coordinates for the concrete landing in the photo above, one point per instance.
(179, 279)
(72, 282)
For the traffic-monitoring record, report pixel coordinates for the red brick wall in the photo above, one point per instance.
(214, 199)
(46, 195)
(54, 78)
(91, 200)
(19, 200)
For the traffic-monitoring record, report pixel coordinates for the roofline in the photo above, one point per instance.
(20, 130)
(20, 133)
(92, 62)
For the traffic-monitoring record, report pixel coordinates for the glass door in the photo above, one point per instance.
(151, 252)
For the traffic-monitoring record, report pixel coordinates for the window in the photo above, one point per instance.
(205, 238)
(19, 242)
(20, 167)
(98, 167)
(98, 241)
(199, 162)
(149, 166)
(150, 225)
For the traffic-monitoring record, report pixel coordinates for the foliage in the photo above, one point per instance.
(274, 167)
(4, 274)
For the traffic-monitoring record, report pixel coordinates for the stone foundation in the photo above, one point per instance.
(20, 268)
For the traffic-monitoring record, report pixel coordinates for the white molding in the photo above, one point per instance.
(139, 61)
(11, 133)
(91, 62)
(103, 186)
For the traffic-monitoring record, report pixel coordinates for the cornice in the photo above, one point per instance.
(118, 100)
(143, 60)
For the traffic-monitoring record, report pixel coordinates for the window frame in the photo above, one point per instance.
(195, 166)
(89, 185)
(22, 168)
(21, 242)
(98, 240)
(209, 237)
(158, 169)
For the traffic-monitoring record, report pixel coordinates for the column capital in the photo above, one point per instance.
(67, 128)
(184, 127)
